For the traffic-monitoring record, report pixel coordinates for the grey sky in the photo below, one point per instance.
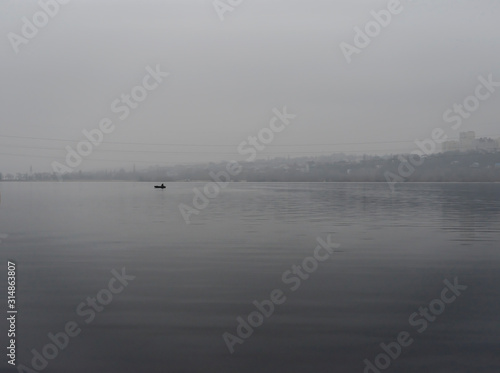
(226, 77)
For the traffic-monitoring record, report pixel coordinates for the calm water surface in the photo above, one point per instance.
(193, 281)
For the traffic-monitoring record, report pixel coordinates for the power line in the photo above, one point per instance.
(201, 145)
(199, 152)
(214, 145)
(143, 151)
(235, 154)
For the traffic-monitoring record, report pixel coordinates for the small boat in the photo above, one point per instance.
(160, 186)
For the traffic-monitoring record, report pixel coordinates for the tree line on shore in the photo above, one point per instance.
(442, 167)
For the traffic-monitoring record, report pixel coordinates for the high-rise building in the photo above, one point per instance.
(450, 146)
(467, 141)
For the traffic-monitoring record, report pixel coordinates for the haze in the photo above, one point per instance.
(227, 76)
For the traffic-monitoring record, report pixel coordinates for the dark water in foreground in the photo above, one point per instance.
(193, 281)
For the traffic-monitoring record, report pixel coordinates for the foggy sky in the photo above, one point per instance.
(226, 78)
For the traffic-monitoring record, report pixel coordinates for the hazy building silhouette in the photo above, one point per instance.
(468, 142)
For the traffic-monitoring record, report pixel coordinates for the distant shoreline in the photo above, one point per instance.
(474, 166)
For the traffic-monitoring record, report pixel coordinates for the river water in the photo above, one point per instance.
(180, 287)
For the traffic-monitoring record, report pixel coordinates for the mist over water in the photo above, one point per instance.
(193, 281)
(314, 238)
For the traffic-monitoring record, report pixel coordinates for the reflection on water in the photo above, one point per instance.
(192, 281)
